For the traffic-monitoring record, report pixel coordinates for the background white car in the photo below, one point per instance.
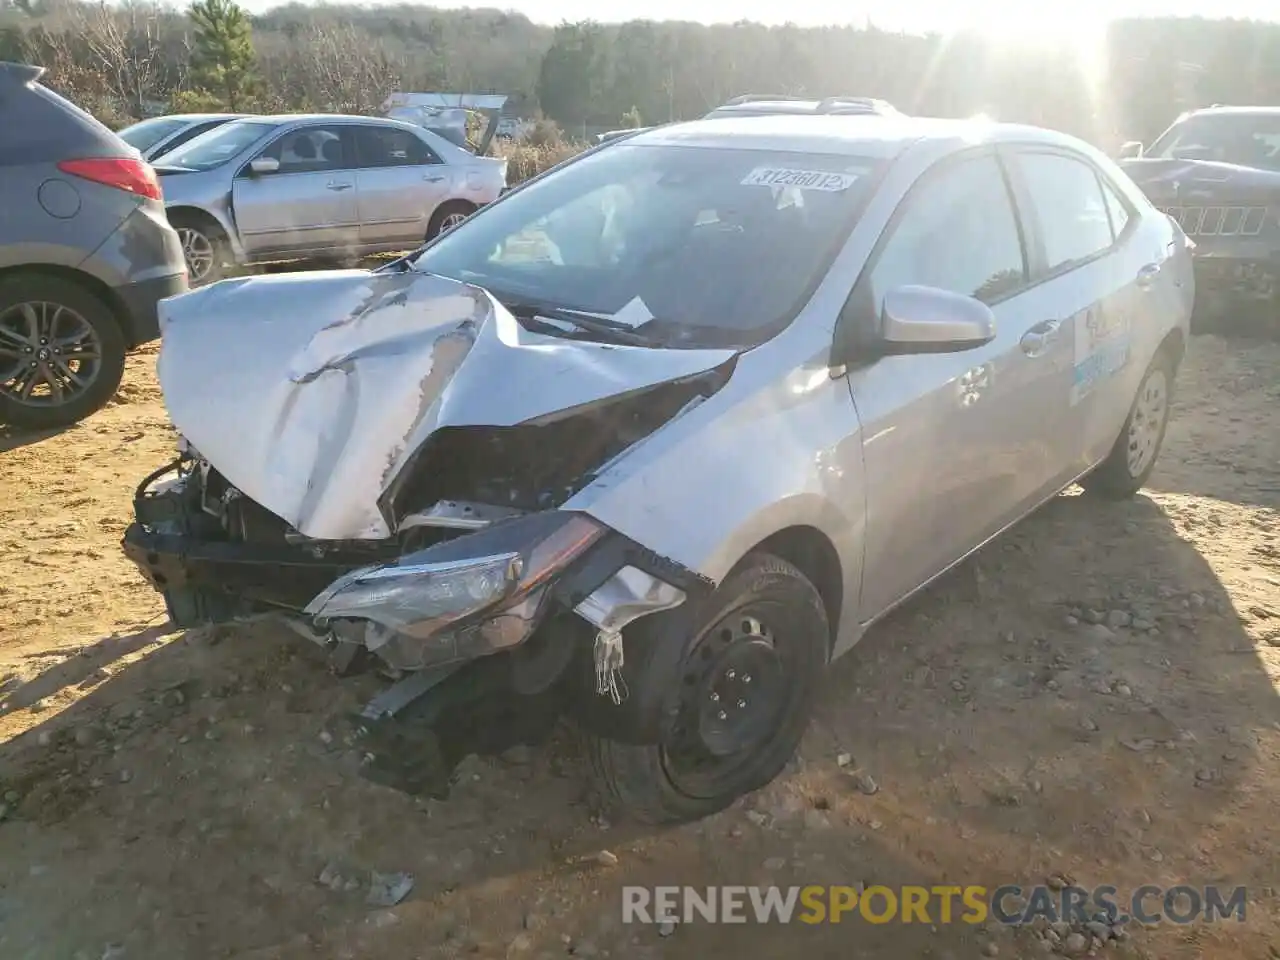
(273, 188)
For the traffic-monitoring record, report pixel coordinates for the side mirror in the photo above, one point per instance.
(927, 320)
(1130, 150)
(261, 165)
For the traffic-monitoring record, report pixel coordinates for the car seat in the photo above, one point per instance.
(299, 151)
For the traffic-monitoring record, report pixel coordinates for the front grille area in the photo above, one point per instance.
(1219, 221)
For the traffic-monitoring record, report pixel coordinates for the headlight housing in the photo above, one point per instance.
(454, 585)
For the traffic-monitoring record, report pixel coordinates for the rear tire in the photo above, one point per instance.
(204, 247)
(1131, 460)
(662, 783)
(61, 346)
(447, 216)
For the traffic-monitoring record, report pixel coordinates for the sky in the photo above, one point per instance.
(1016, 18)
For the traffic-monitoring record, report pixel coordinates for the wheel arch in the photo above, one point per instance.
(811, 552)
(445, 208)
(196, 214)
(85, 281)
(214, 218)
(1175, 346)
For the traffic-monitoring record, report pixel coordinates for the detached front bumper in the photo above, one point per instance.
(182, 543)
(217, 556)
(284, 577)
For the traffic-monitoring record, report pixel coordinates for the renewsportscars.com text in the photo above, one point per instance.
(940, 904)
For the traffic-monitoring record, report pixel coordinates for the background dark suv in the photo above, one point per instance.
(85, 255)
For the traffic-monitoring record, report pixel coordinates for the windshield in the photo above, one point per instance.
(1245, 139)
(216, 147)
(145, 135)
(721, 246)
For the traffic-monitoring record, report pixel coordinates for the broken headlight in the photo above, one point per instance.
(428, 591)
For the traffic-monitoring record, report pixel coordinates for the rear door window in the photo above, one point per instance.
(1068, 205)
(391, 147)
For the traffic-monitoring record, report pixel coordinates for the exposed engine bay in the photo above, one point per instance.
(539, 465)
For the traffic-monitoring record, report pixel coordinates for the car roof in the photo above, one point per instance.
(1222, 108)
(327, 118)
(771, 106)
(197, 117)
(852, 105)
(873, 136)
(191, 117)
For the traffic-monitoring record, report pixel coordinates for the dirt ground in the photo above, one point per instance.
(168, 797)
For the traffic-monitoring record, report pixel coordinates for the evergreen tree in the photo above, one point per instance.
(222, 56)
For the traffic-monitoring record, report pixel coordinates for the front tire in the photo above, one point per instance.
(204, 247)
(61, 352)
(747, 685)
(1129, 465)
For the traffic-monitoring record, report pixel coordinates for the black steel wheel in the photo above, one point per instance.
(747, 684)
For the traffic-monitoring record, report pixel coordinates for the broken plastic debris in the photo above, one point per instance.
(388, 889)
(608, 656)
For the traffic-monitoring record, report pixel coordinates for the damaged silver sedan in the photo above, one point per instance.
(655, 437)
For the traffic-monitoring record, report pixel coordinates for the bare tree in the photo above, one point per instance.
(333, 67)
(125, 44)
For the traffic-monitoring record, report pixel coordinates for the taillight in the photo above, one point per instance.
(123, 173)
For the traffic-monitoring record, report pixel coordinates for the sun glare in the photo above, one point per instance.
(1025, 23)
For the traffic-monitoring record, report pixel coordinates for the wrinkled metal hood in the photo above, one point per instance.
(309, 392)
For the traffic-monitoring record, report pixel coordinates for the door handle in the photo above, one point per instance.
(1037, 340)
(337, 185)
(1147, 275)
(431, 179)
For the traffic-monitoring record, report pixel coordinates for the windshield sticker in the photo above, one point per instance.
(822, 180)
(1101, 349)
(633, 314)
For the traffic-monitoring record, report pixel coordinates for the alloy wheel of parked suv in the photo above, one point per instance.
(61, 353)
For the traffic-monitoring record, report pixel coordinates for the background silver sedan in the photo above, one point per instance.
(272, 188)
(156, 136)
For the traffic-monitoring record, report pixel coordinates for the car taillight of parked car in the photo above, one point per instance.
(123, 173)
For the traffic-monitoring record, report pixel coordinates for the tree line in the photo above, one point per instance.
(128, 60)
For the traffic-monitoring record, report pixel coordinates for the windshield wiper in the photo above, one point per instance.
(612, 330)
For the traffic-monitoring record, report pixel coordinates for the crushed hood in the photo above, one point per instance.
(309, 392)
(1172, 181)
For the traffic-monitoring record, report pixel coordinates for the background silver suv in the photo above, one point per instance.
(274, 188)
(85, 255)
